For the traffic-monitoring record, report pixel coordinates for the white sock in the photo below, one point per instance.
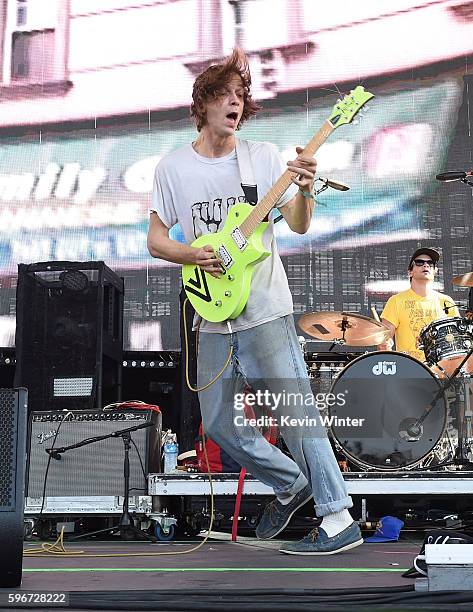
(336, 522)
(285, 500)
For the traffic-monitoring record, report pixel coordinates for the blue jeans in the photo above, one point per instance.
(268, 355)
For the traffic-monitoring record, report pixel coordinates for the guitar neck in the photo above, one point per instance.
(262, 209)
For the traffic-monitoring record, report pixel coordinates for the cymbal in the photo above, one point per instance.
(330, 326)
(464, 280)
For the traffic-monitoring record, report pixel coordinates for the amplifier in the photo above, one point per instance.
(94, 469)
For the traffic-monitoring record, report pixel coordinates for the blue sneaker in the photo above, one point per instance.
(317, 542)
(276, 515)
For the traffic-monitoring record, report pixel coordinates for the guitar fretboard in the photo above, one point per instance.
(267, 203)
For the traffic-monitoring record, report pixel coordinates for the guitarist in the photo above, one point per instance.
(195, 186)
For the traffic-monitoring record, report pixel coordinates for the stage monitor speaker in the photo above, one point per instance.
(69, 334)
(13, 409)
(94, 469)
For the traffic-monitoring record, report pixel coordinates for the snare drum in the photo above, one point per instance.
(445, 343)
(388, 391)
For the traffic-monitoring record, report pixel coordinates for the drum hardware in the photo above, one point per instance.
(463, 420)
(302, 344)
(338, 342)
(411, 431)
(342, 328)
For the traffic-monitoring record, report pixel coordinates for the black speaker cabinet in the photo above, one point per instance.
(13, 409)
(94, 469)
(69, 334)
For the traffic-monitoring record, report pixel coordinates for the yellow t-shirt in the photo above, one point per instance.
(410, 312)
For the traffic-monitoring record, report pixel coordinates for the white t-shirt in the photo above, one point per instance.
(197, 191)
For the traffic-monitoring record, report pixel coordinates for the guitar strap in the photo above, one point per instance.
(248, 183)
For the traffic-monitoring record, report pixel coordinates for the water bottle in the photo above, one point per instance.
(171, 450)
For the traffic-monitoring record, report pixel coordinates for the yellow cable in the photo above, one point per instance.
(56, 549)
(230, 352)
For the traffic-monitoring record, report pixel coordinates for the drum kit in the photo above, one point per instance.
(403, 403)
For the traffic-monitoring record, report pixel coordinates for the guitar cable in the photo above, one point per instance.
(196, 390)
(186, 342)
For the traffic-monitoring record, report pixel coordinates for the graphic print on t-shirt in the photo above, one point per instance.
(419, 316)
(209, 217)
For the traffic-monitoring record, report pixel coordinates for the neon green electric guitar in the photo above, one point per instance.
(239, 244)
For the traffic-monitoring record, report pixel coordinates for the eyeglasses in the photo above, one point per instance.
(421, 262)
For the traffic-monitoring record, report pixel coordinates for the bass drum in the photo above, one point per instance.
(376, 402)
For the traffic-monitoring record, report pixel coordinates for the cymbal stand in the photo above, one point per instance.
(340, 341)
(345, 326)
(464, 421)
(336, 342)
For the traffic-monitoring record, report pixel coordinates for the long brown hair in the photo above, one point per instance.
(209, 84)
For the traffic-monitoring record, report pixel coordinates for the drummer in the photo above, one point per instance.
(407, 312)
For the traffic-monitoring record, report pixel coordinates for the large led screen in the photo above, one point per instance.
(75, 185)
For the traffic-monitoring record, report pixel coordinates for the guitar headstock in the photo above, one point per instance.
(344, 110)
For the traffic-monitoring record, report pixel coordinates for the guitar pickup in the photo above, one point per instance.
(225, 257)
(239, 238)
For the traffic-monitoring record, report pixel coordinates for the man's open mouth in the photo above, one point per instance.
(232, 116)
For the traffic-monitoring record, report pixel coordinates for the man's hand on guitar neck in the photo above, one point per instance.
(304, 168)
(298, 211)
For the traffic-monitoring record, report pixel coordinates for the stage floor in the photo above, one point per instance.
(248, 575)
(219, 563)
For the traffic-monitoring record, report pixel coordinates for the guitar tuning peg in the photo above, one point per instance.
(366, 108)
(355, 122)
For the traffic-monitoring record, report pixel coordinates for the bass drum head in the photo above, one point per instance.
(377, 400)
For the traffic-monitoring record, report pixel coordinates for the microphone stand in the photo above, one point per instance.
(125, 525)
(415, 429)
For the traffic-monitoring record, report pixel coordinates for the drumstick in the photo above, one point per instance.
(375, 314)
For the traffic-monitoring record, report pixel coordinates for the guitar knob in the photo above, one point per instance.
(228, 293)
(230, 277)
(218, 303)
